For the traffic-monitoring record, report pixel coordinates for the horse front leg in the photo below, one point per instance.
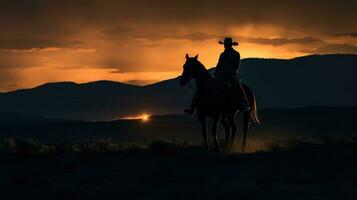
(203, 123)
(246, 119)
(214, 132)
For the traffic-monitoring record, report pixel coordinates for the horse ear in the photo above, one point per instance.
(196, 56)
(187, 57)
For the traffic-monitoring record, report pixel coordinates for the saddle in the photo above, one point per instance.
(233, 84)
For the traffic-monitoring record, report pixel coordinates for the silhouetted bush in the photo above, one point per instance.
(165, 146)
(329, 146)
(132, 148)
(99, 145)
(354, 140)
(296, 144)
(334, 140)
(25, 147)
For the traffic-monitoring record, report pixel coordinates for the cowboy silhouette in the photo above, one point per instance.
(227, 69)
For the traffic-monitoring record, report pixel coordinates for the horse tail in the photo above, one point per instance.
(254, 112)
(253, 104)
(250, 115)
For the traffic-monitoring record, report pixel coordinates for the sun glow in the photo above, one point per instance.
(143, 117)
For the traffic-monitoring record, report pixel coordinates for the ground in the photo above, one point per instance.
(321, 171)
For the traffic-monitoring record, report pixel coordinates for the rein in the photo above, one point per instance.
(191, 86)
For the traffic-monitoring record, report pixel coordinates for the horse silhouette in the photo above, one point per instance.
(218, 102)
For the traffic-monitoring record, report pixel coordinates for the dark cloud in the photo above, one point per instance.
(333, 49)
(201, 36)
(116, 71)
(351, 34)
(28, 43)
(11, 60)
(197, 36)
(153, 35)
(28, 24)
(60, 18)
(134, 29)
(8, 79)
(140, 82)
(279, 41)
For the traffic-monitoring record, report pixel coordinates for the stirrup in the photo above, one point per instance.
(189, 111)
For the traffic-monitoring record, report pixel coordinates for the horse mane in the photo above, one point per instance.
(203, 69)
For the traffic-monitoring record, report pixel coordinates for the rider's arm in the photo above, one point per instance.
(238, 63)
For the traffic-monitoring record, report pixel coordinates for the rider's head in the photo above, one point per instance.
(228, 43)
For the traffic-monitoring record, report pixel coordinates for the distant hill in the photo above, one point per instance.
(317, 80)
(277, 124)
(16, 118)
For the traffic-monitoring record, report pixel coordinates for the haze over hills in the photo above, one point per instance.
(318, 80)
(17, 119)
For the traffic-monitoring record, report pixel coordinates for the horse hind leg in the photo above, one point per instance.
(233, 125)
(214, 133)
(227, 130)
(246, 122)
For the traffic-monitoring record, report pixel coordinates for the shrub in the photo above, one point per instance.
(25, 147)
(165, 147)
(293, 144)
(98, 145)
(132, 148)
(333, 140)
(101, 145)
(354, 139)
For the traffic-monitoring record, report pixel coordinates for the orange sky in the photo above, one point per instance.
(153, 63)
(82, 41)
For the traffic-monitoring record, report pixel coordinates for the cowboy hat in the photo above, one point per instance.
(228, 41)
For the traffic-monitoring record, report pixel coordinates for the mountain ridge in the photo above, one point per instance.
(317, 80)
(166, 80)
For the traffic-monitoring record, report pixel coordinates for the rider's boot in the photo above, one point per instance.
(244, 106)
(189, 110)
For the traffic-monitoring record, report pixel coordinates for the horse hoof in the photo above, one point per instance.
(206, 149)
(231, 145)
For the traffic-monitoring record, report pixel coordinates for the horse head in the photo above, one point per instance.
(189, 69)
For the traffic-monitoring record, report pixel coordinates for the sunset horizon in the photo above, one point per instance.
(178, 99)
(83, 41)
(140, 76)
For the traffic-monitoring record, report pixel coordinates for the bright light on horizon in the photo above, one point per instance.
(143, 117)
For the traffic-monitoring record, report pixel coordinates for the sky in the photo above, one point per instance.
(144, 41)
